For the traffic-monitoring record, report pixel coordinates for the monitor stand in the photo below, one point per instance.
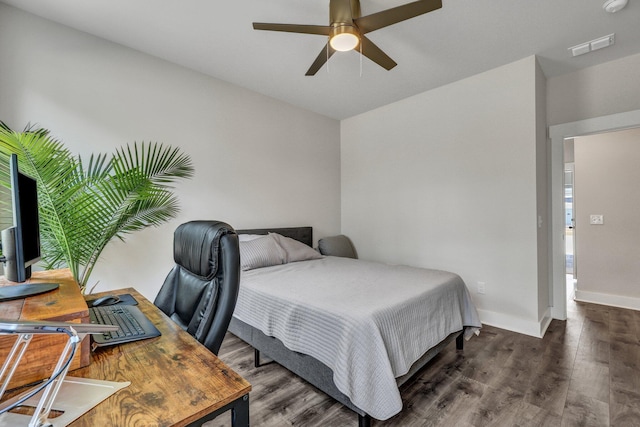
(22, 291)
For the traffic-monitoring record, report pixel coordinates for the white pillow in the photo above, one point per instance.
(295, 250)
(262, 251)
(247, 237)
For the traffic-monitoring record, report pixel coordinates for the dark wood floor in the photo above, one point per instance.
(584, 372)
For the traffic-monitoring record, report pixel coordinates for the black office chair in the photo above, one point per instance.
(201, 290)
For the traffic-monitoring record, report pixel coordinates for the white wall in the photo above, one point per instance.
(427, 170)
(606, 177)
(545, 289)
(596, 91)
(447, 179)
(258, 161)
(597, 99)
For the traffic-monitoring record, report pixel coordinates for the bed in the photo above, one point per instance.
(320, 319)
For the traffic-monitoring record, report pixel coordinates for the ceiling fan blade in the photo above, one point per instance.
(374, 53)
(396, 14)
(322, 30)
(320, 60)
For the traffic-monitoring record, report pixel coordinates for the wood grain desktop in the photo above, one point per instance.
(175, 380)
(65, 304)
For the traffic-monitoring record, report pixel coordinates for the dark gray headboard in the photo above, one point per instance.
(301, 234)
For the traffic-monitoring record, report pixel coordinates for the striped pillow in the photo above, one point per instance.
(260, 252)
(294, 250)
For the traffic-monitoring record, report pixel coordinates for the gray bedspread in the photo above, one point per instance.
(368, 322)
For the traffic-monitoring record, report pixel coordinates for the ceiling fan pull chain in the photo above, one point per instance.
(361, 59)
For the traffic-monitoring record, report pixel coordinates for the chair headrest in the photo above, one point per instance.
(196, 245)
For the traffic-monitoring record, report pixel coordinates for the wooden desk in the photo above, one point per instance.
(64, 304)
(175, 380)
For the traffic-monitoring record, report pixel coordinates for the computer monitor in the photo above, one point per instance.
(21, 243)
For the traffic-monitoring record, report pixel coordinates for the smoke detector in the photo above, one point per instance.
(612, 6)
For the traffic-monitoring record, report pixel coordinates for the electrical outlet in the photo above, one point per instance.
(481, 288)
(596, 220)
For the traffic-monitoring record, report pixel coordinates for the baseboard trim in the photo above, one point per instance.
(545, 321)
(608, 299)
(516, 324)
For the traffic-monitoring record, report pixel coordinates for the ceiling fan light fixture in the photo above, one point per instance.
(347, 29)
(344, 38)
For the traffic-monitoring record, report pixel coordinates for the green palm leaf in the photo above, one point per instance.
(83, 209)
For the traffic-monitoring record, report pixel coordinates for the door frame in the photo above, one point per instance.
(557, 135)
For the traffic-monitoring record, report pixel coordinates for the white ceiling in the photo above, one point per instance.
(463, 38)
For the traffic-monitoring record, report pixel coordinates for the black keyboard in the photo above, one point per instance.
(133, 324)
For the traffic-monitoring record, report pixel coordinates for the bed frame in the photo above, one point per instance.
(305, 366)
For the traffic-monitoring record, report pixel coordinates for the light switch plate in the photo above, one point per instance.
(596, 220)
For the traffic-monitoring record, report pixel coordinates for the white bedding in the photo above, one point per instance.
(368, 322)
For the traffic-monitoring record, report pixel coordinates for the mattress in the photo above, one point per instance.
(368, 322)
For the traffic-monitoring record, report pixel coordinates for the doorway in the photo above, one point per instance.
(558, 135)
(570, 221)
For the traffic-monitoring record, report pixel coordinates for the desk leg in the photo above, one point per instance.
(240, 412)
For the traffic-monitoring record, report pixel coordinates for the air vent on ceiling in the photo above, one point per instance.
(592, 45)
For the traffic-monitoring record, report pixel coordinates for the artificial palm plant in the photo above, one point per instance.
(82, 206)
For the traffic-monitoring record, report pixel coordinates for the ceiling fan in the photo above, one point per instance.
(347, 29)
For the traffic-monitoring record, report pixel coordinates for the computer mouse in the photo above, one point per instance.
(106, 300)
